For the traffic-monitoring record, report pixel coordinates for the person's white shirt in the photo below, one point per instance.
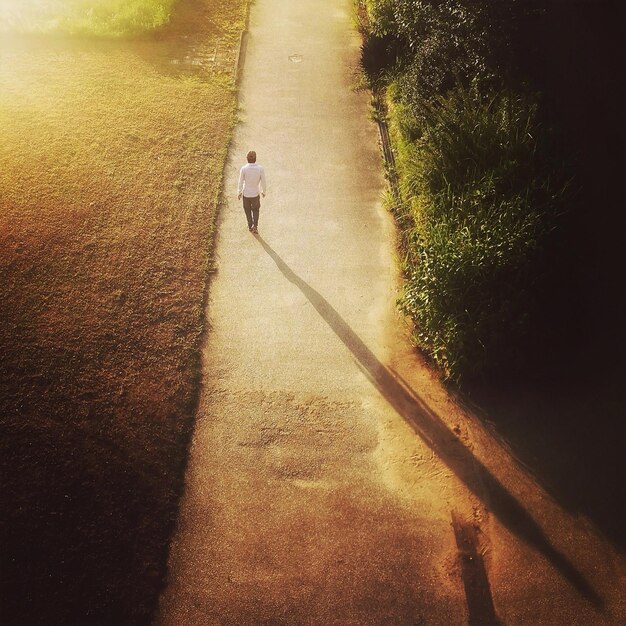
(251, 180)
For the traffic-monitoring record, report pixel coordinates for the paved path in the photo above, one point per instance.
(294, 512)
(320, 487)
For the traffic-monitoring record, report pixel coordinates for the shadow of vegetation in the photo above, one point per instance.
(564, 418)
(85, 525)
(569, 434)
(474, 475)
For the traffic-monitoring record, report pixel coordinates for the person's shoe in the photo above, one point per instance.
(251, 229)
(254, 229)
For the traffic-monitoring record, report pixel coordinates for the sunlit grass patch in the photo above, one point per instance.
(101, 18)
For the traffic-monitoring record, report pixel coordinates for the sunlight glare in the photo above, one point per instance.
(27, 15)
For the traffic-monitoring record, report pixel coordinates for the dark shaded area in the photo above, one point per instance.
(566, 300)
(570, 434)
(89, 492)
(564, 417)
(571, 52)
(87, 544)
(430, 428)
(92, 460)
(477, 590)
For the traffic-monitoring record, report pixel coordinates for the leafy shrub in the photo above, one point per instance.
(482, 207)
(432, 45)
(477, 198)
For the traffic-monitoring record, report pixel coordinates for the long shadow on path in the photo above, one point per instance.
(474, 475)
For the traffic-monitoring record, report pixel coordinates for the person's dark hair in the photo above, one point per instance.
(251, 156)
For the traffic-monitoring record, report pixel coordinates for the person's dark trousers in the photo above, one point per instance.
(252, 206)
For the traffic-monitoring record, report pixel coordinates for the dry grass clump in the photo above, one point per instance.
(110, 172)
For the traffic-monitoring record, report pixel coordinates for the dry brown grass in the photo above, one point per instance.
(110, 170)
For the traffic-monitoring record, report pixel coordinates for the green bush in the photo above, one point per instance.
(481, 210)
(432, 45)
(477, 197)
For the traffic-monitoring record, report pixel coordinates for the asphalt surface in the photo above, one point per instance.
(327, 463)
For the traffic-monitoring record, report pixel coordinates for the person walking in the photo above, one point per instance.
(251, 184)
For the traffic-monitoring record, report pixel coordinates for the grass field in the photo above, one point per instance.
(108, 18)
(110, 172)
